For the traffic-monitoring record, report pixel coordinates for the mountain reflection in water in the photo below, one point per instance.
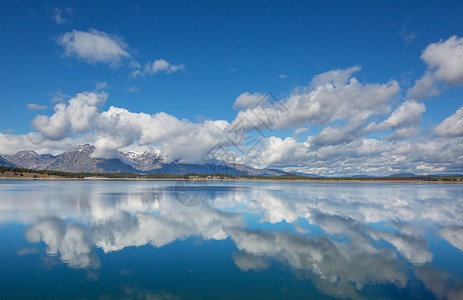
(341, 237)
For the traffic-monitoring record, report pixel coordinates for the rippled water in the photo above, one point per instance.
(230, 240)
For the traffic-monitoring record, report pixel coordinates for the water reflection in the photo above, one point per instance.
(342, 236)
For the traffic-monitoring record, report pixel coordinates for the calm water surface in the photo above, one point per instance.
(256, 240)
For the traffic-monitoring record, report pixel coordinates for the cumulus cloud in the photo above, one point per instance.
(331, 96)
(339, 148)
(94, 47)
(33, 106)
(158, 66)
(444, 61)
(343, 109)
(362, 156)
(335, 135)
(116, 128)
(408, 113)
(248, 100)
(406, 118)
(300, 131)
(451, 126)
(180, 140)
(76, 117)
(445, 58)
(339, 113)
(11, 143)
(59, 96)
(277, 150)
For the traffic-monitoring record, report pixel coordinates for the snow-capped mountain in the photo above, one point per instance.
(79, 159)
(30, 159)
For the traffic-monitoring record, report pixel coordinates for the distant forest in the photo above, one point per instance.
(14, 172)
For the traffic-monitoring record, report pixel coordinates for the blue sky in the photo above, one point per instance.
(192, 60)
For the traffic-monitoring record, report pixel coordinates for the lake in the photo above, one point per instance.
(230, 240)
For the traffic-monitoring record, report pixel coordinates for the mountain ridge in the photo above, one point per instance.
(79, 159)
(29, 159)
(5, 163)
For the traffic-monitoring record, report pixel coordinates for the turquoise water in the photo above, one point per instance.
(230, 240)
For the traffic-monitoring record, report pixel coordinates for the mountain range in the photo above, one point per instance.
(80, 160)
(6, 163)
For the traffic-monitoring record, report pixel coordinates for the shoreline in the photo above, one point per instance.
(229, 179)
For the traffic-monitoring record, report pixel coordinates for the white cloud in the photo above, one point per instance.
(283, 76)
(444, 61)
(408, 113)
(33, 106)
(445, 58)
(333, 99)
(11, 143)
(158, 66)
(334, 135)
(407, 35)
(95, 47)
(406, 118)
(341, 112)
(426, 86)
(133, 89)
(99, 47)
(331, 96)
(180, 139)
(59, 13)
(336, 78)
(300, 131)
(361, 156)
(278, 150)
(136, 73)
(101, 85)
(59, 96)
(117, 128)
(248, 100)
(452, 126)
(76, 117)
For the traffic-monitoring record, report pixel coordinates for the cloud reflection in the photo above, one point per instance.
(369, 233)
